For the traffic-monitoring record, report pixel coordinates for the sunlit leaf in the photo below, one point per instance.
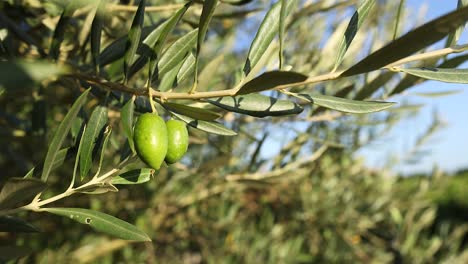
(270, 80)
(265, 34)
(134, 176)
(439, 94)
(346, 105)
(193, 112)
(176, 52)
(257, 105)
(354, 25)
(94, 129)
(60, 134)
(440, 74)
(207, 126)
(187, 68)
(101, 222)
(411, 42)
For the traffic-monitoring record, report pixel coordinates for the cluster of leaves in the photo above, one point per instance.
(51, 54)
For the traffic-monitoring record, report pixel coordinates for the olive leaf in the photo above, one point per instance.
(134, 176)
(270, 80)
(257, 105)
(101, 222)
(17, 191)
(127, 121)
(207, 126)
(439, 74)
(60, 135)
(193, 112)
(134, 37)
(16, 225)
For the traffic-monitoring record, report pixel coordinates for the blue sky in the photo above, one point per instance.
(449, 147)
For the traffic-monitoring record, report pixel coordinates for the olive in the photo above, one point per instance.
(150, 137)
(177, 135)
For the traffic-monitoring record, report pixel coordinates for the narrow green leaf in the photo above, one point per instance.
(157, 47)
(265, 34)
(176, 52)
(134, 37)
(207, 77)
(59, 32)
(18, 191)
(60, 135)
(354, 25)
(62, 155)
(346, 105)
(440, 74)
(281, 28)
(94, 129)
(438, 94)
(98, 188)
(127, 121)
(398, 18)
(411, 42)
(96, 28)
(270, 80)
(193, 112)
(169, 79)
(152, 45)
(207, 126)
(453, 37)
(257, 105)
(101, 222)
(23, 73)
(209, 7)
(107, 133)
(134, 176)
(16, 225)
(116, 50)
(187, 68)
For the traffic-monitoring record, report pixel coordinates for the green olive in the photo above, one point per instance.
(177, 135)
(150, 137)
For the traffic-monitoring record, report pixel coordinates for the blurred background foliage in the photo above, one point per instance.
(285, 190)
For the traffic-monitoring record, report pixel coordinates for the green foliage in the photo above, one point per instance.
(233, 198)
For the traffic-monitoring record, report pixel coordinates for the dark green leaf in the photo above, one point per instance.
(20, 74)
(411, 42)
(116, 50)
(169, 79)
(265, 34)
(187, 68)
(257, 105)
(126, 116)
(13, 252)
(134, 176)
(176, 52)
(16, 225)
(207, 126)
(94, 129)
(134, 37)
(354, 25)
(59, 32)
(101, 222)
(440, 74)
(346, 105)
(62, 155)
(270, 80)
(60, 135)
(96, 28)
(103, 147)
(153, 43)
(18, 191)
(193, 112)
